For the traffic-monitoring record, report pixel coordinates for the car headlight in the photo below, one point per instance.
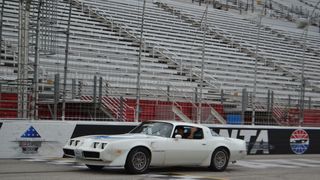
(103, 145)
(99, 145)
(77, 142)
(95, 144)
(70, 142)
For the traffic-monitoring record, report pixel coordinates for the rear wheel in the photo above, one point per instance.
(138, 161)
(219, 159)
(94, 167)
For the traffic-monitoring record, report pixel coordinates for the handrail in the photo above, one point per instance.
(161, 50)
(267, 61)
(209, 81)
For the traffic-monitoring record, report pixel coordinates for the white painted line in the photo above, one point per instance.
(34, 160)
(308, 161)
(81, 166)
(60, 163)
(264, 164)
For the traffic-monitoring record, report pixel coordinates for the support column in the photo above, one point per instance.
(94, 100)
(168, 93)
(288, 109)
(1, 25)
(203, 53)
(244, 104)
(195, 95)
(66, 64)
(73, 89)
(23, 59)
(80, 88)
(309, 103)
(121, 114)
(271, 101)
(269, 105)
(289, 101)
(35, 94)
(56, 96)
(100, 94)
(137, 113)
(221, 97)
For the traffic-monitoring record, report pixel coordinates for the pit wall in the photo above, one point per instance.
(45, 139)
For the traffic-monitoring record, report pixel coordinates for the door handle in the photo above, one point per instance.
(204, 144)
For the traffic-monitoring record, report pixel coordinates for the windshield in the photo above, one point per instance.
(154, 128)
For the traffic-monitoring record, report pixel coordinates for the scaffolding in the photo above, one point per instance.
(37, 36)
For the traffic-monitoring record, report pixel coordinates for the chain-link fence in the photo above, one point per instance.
(98, 100)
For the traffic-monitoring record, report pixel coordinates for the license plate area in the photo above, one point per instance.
(78, 153)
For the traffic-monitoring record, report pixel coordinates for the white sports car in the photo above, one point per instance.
(157, 143)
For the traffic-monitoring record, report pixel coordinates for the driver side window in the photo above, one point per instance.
(188, 132)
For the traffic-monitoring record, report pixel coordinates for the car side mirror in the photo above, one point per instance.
(178, 136)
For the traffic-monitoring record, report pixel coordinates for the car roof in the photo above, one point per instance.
(179, 123)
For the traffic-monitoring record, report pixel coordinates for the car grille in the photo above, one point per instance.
(68, 152)
(90, 154)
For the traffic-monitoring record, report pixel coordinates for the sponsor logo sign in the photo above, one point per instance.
(257, 140)
(299, 141)
(30, 141)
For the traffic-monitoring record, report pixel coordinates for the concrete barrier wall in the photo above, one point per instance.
(274, 140)
(24, 139)
(32, 139)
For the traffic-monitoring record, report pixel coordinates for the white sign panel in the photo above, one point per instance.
(23, 139)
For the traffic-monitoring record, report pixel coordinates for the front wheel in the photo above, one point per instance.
(138, 161)
(94, 167)
(219, 159)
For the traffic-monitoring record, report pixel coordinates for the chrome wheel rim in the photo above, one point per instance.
(220, 159)
(139, 160)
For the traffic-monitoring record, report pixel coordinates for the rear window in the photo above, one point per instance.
(213, 133)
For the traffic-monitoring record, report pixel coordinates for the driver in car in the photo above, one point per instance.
(180, 130)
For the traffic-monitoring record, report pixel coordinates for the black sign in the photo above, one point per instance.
(84, 130)
(276, 141)
(259, 140)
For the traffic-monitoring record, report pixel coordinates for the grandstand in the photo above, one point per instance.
(229, 62)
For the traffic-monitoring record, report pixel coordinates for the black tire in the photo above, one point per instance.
(94, 167)
(219, 159)
(138, 161)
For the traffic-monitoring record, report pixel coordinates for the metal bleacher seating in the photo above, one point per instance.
(272, 47)
(104, 41)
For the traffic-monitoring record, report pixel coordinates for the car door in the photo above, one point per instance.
(183, 151)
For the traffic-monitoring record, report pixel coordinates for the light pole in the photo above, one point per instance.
(303, 85)
(35, 96)
(1, 23)
(137, 114)
(65, 72)
(204, 28)
(305, 26)
(23, 57)
(253, 119)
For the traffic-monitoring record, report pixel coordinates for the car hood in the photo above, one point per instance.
(122, 137)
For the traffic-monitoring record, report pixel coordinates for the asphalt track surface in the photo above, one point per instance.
(266, 167)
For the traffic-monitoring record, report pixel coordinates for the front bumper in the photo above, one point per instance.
(68, 152)
(104, 158)
(81, 154)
